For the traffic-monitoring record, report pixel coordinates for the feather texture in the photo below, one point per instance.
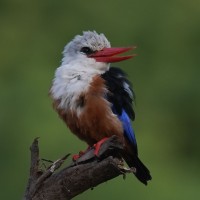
(121, 97)
(120, 94)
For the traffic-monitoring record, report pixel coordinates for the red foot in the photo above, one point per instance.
(77, 156)
(98, 145)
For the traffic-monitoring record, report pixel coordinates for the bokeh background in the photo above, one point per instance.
(165, 75)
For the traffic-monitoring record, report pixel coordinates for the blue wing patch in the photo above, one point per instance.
(128, 130)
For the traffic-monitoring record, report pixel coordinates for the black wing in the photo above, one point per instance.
(120, 94)
(121, 97)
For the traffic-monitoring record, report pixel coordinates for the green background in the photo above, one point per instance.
(165, 75)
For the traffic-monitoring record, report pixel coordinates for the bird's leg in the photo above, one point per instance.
(77, 156)
(97, 146)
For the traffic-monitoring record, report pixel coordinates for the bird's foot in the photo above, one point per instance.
(77, 156)
(97, 146)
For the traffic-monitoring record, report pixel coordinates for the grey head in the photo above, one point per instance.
(83, 45)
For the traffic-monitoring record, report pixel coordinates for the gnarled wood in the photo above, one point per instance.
(87, 172)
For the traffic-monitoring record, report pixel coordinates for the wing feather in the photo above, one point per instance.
(121, 97)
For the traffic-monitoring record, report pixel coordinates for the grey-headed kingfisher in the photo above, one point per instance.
(95, 99)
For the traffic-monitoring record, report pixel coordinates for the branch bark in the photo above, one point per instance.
(87, 172)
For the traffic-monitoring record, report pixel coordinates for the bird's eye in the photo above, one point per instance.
(86, 50)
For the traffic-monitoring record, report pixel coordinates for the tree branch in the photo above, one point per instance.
(87, 172)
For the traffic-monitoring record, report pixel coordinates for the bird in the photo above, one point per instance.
(95, 99)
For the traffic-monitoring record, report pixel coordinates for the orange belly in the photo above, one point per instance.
(96, 119)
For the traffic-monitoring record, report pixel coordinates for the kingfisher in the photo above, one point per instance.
(96, 100)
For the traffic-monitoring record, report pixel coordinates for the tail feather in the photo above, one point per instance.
(142, 173)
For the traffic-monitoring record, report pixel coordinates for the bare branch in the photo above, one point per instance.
(87, 172)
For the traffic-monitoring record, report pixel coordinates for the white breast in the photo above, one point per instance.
(69, 83)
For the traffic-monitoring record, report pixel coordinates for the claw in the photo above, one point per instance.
(75, 157)
(97, 146)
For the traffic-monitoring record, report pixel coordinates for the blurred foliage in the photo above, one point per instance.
(165, 75)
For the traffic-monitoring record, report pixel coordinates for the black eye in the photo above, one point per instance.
(86, 50)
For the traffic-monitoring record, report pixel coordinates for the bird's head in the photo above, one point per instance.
(92, 50)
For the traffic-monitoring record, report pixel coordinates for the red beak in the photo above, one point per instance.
(108, 55)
